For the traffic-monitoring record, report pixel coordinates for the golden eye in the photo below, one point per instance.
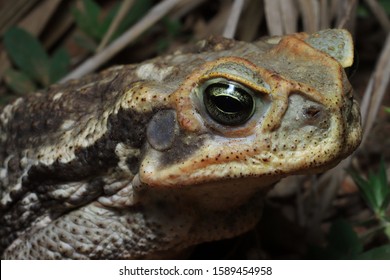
(228, 103)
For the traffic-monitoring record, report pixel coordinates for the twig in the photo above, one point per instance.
(124, 8)
(310, 11)
(349, 12)
(376, 90)
(12, 11)
(154, 15)
(233, 18)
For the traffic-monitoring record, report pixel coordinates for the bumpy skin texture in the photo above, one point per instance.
(128, 163)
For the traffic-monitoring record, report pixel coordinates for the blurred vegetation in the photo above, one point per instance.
(35, 68)
(342, 240)
(94, 24)
(363, 11)
(343, 243)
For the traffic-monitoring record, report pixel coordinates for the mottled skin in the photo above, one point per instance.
(128, 163)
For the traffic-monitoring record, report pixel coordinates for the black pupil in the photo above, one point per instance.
(228, 104)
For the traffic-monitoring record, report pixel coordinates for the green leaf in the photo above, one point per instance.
(88, 20)
(342, 243)
(386, 5)
(378, 253)
(92, 10)
(106, 22)
(27, 54)
(343, 240)
(364, 12)
(387, 228)
(59, 65)
(137, 11)
(384, 193)
(375, 190)
(162, 45)
(18, 82)
(365, 189)
(387, 110)
(385, 203)
(91, 22)
(173, 26)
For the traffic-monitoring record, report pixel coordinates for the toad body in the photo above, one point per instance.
(140, 161)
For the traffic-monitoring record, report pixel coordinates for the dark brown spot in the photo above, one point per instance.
(312, 112)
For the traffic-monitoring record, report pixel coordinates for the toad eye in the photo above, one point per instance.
(228, 103)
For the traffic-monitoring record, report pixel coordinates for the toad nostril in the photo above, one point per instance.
(312, 112)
